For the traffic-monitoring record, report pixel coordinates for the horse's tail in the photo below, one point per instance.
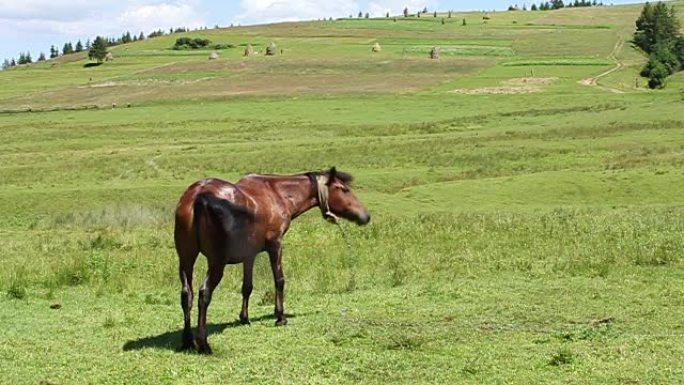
(222, 213)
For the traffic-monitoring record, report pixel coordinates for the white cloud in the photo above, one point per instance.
(265, 11)
(165, 15)
(104, 17)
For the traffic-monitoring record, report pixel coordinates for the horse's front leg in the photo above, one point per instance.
(248, 266)
(275, 254)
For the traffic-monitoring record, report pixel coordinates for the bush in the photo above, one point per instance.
(656, 71)
(188, 43)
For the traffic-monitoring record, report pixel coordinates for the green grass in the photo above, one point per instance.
(516, 237)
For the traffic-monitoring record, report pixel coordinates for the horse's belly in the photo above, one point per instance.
(235, 255)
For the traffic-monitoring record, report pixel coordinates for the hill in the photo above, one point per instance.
(525, 190)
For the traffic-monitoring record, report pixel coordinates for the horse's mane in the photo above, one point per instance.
(345, 177)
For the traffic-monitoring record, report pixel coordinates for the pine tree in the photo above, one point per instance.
(6, 64)
(13, 63)
(79, 46)
(99, 49)
(141, 36)
(406, 12)
(54, 52)
(67, 49)
(41, 57)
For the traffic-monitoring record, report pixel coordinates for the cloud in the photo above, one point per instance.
(104, 17)
(265, 11)
(161, 16)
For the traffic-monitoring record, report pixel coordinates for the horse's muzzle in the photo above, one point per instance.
(363, 219)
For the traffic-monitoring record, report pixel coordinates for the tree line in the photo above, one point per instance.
(556, 4)
(101, 48)
(658, 34)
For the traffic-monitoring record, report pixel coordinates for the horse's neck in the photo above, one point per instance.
(298, 194)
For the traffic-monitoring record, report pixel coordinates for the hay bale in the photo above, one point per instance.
(213, 56)
(434, 53)
(249, 51)
(377, 47)
(271, 50)
(109, 57)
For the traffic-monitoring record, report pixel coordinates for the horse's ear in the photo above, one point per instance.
(332, 175)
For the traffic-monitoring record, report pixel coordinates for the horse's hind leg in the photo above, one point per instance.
(187, 256)
(187, 249)
(248, 266)
(212, 280)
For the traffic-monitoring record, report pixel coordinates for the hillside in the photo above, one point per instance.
(528, 220)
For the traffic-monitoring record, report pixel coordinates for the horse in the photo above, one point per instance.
(230, 223)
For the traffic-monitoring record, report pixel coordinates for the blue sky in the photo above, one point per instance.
(34, 25)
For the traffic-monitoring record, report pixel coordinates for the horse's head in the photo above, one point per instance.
(335, 197)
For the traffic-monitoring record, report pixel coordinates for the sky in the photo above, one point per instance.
(34, 25)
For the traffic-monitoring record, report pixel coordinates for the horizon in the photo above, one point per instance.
(35, 25)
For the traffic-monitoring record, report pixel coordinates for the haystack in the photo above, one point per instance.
(213, 56)
(434, 53)
(249, 51)
(377, 47)
(271, 50)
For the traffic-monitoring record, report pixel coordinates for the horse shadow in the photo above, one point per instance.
(172, 340)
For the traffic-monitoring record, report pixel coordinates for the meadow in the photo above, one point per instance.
(528, 210)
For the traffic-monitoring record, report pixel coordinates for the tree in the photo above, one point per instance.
(425, 10)
(360, 15)
(387, 15)
(141, 36)
(406, 12)
(99, 49)
(13, 63)
(67, 49)
(367, 15)
(658, 35)
(54, 52)
(6, 64)
(79, 46)
(533, 7)
(41, 57)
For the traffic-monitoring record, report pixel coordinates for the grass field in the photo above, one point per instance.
(528, 210)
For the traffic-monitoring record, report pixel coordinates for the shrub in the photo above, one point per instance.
(188, 43)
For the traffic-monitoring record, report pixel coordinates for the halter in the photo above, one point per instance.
(322, 192)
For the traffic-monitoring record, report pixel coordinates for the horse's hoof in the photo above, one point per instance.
(187, 347)
(203, 347)
(281, 322)
(204, 350)
(244, 321)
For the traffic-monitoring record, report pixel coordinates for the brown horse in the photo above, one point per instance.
(231, 223)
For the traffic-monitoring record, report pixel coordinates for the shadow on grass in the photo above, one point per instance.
(172, 340)
(89, 65)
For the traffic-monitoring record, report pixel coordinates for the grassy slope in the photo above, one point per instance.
(517, 238)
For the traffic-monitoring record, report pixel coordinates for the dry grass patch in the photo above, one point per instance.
(510, 86)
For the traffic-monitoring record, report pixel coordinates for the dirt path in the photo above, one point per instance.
(593, 81)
